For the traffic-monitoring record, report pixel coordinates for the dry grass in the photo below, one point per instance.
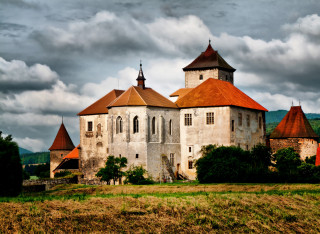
(221, 208)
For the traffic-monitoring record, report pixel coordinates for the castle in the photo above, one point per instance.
(166, 136)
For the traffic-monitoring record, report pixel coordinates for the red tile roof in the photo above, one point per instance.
(294, 124)
(100, 106)
(181, 92)
(136, 96)
(213, 92)
(209, 59)
(62, 140)
(74, 154)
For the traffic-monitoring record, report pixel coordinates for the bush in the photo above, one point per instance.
(62, 174)
(311, 159)
(42, 171)
(25, 175)
(135, 175)
(287, 163)
(10, 167)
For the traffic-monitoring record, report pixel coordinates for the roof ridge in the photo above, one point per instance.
(140, 95)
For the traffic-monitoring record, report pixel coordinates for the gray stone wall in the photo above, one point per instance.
(192, 78)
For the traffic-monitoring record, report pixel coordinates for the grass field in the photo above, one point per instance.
(166, 208)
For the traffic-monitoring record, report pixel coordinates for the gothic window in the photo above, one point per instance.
(201, 77)
(153, 125)
(210, 118)
(190, 164)
(170, 127)
(90, 126)
(119, 127)
(135, 125)
(187, 119)
(240, 119)
(172, 159)
(248, 120)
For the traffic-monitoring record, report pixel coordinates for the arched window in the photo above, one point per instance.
(170, 127)
(119, 125)
(135, 124)
(153, 125)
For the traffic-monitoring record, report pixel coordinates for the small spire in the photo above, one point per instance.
(62, 119)
(141, 78)
(209, 41)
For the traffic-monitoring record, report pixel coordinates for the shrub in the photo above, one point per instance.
(135, 175)
(10, 167)
(311, 159)
(287, 162)
(42, 171)
(62, 174)
(25, 175)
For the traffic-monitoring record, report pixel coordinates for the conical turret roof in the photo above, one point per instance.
(62, 140)
(294, 125)
(209, 59)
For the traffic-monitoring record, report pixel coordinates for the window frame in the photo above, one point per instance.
(187, 119)
(90, 126)
(210, 118)
(153, 126)
(119, 125)
(170, 127)
(190, 164)
(136, 124)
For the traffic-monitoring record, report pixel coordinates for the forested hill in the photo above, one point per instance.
(277, 116)
(35, 158)
(24, 151)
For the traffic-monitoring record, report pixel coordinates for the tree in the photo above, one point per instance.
(135, 175)
(287, 162)
(10, 167)
(112, 170)
(42, 171)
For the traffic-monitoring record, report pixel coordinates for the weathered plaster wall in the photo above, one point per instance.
(192, 77)
(94, 144)
(303, 146)
(56, 158)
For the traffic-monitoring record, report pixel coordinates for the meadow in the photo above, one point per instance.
(165, 208)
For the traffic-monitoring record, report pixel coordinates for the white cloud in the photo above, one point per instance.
(17, 75)
(32, 144)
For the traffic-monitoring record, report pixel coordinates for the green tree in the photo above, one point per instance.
(10, 167)
(135, 175)
(112, 170)
(287, 163)
(42, 171)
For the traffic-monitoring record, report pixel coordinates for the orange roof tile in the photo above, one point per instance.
(181, 92)
(136, 96)
(100, 106)
(74, 154)
(213, 92)
(62, 140)
(209, 59)
(294, 124)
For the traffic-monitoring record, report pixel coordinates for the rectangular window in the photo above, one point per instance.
(190, 149)
(248, 120)
(137, 155)
(232, 125)
(210, 118)
(190, 164)
(90, 126)
(260, 122)
(240, 119)
(119, 155)
(187, 119)
(172, 159)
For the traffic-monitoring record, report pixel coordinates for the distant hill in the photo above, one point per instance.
(35, 158)
(277, 116)
(24, 151)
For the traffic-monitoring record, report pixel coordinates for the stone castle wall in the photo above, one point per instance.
(305, 147)
(56, 158)
(192, 78)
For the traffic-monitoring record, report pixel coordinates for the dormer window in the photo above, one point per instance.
(201, 77)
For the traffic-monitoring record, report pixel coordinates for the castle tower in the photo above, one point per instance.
(62, 145)
(295, 131)
(209, 64)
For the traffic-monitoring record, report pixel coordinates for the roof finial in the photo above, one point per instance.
(140, 64)
(209, 41)
(141, 78)
(62, 119)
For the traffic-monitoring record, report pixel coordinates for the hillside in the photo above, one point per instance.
(24, 151)
(277, 116)
(35, 158)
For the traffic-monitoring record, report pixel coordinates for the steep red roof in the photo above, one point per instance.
(136, 96)
(74, 154)
(62, 140)
(100, 106)
(213, 92)
(294, 124)
(209, 59)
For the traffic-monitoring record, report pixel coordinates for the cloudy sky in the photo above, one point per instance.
(57, 57)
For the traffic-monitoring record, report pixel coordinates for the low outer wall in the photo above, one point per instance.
(48, 183)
